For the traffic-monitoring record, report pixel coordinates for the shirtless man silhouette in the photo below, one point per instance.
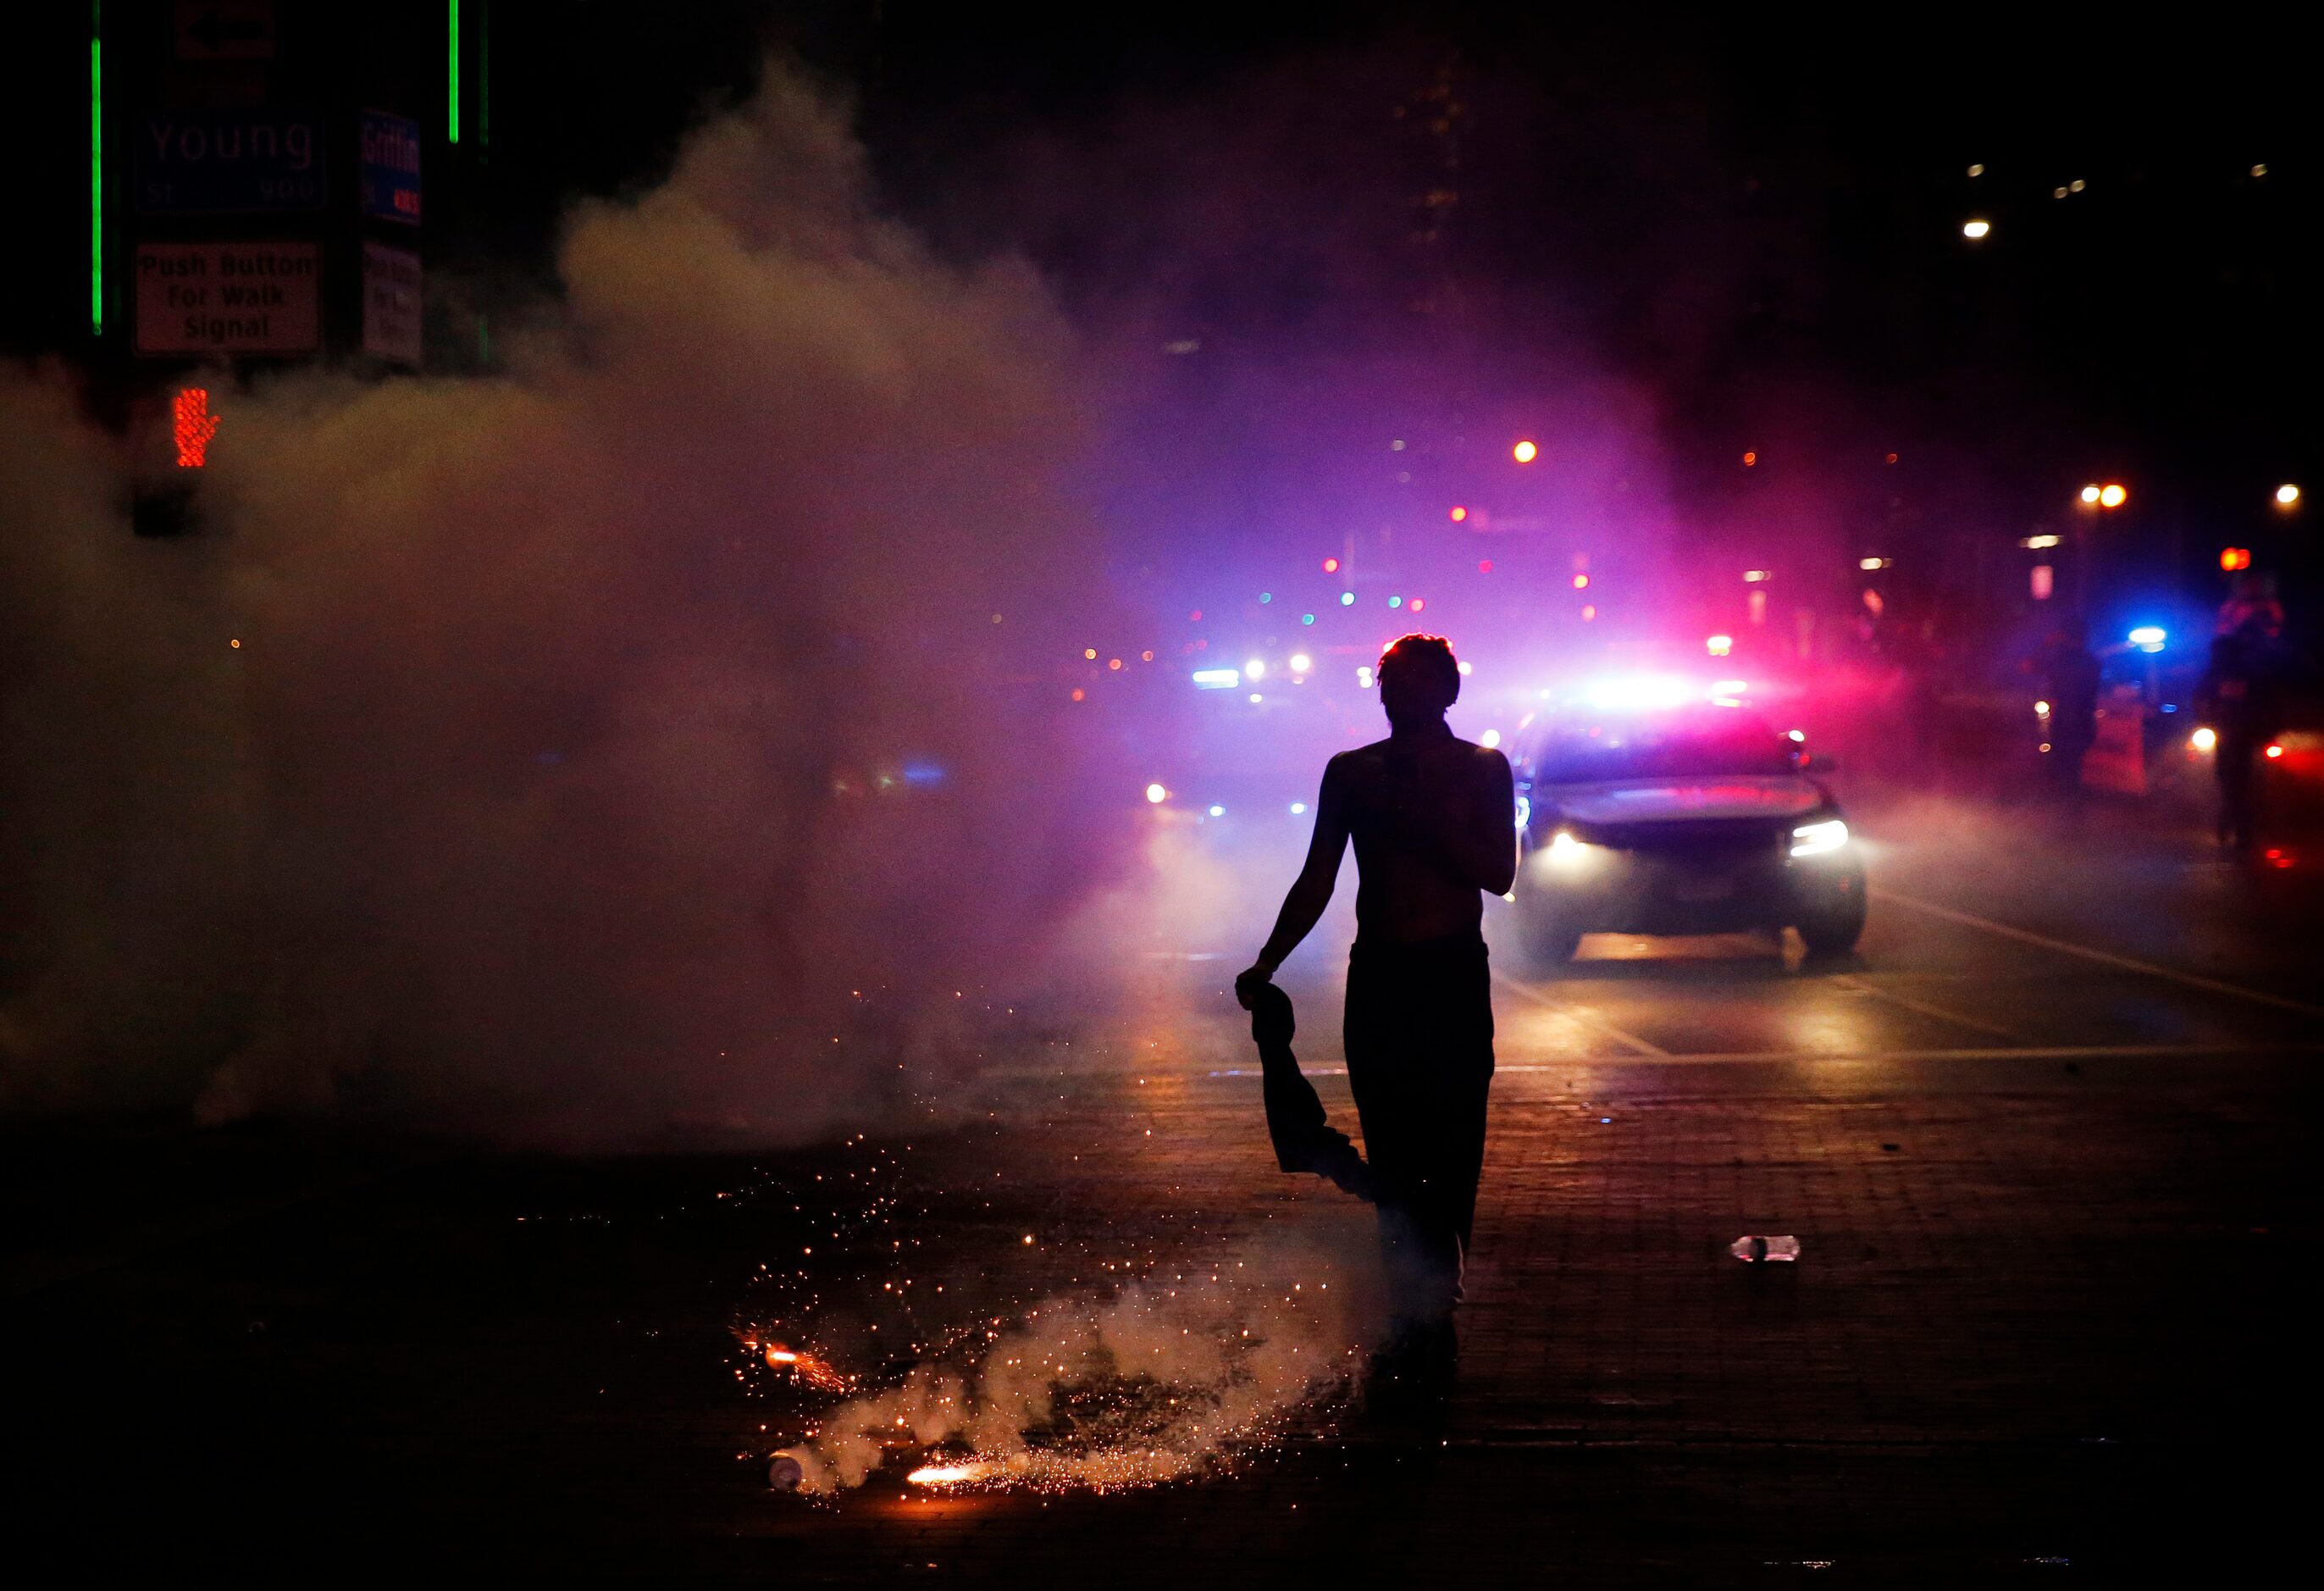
(1434, 821)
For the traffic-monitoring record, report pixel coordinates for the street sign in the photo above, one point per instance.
(389, 154)
(220, 161)
(228, 297)
(391, 317)
(225, 30)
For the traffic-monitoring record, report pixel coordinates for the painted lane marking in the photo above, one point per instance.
(1874, 1057)
(1848, 981)
(2105, 957)
(1628, 1041)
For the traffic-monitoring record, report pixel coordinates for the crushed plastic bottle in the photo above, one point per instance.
(1751, 1250)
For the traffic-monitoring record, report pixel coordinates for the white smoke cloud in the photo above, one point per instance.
(1162, 1381)
(606, 737)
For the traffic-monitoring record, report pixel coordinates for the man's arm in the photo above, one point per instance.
(1493, 846)
(1310, 891)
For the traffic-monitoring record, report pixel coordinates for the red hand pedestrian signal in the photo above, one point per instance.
(196, 425)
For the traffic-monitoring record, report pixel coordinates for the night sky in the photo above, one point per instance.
(1754, 218)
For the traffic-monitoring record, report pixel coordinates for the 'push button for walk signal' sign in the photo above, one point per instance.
(227, 298)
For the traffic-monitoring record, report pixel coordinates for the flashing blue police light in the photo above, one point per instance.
(2148, 637)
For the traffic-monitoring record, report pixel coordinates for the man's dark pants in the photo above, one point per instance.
(1419, 1042)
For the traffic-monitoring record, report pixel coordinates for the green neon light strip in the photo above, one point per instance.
(96, 187)
(454, 53)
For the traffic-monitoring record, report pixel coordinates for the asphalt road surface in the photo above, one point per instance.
(2048, 1141)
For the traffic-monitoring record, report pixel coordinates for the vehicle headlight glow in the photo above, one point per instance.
(1217, 679)
(1156, 794)
(1256, 669)
(2206, 739)
(1815, 839)
(1567, 852)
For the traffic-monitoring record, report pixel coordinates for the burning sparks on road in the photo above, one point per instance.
(948, 1474)
(1171, 1378)
(808, 1369)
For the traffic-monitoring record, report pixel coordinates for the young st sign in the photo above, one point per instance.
(224, 162)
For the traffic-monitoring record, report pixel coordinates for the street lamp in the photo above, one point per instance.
(2287, 495)
(1974, 230)
(2096, 500)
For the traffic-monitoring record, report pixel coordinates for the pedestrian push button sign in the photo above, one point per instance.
(227, 298)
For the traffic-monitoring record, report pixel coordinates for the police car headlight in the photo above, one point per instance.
(1815, 839)
(1566, 854)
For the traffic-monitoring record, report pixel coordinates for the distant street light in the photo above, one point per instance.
(2097, 499)
(1525, 452)
(1973, 230)
(2287, 495)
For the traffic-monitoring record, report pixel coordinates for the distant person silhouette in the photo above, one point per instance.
(1434, 821)
(2069, 684)
(2239, 698)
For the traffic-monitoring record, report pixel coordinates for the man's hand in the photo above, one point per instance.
(1251, 980)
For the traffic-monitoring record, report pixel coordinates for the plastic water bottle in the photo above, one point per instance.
(1754, 1249)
